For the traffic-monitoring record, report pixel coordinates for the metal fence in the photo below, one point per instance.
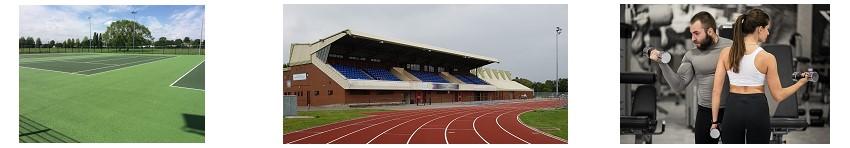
(559, 95)
(562, 95)
(136, 50)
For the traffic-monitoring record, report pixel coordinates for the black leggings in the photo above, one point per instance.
(747, 119)
(702, 126)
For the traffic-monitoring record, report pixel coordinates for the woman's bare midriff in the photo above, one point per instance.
(746, 89)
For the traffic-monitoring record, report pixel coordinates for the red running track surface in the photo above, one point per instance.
(484, 124)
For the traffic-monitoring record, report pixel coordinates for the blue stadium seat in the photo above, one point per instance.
(470, 79)
(428, 76)
(351, 72)
(381, 74)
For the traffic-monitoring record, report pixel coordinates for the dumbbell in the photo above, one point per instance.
(665, 56)
(799, 75)
(715, 133)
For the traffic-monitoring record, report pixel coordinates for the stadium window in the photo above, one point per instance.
(316, 93)
(442, 92)
(330, 92)
(413, 67)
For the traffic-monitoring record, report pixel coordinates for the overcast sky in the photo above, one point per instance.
(60, 22)
(522, 37)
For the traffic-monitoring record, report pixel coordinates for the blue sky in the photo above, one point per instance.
(60, 22)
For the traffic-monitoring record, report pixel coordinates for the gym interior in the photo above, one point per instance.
(653, 112)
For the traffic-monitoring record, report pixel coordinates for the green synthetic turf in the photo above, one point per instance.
(322, 118)
(193, 79)
(552, 121)
(132, 104)
(24, 56)
(92, 65)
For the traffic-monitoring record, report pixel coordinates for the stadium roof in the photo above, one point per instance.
(401, 51)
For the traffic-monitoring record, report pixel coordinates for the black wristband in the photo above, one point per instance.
(715, 122)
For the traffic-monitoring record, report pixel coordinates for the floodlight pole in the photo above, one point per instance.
(133, 29)
(202, 31)
(90, 33)
(557, 33)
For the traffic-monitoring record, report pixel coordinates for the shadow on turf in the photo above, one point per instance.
(31, 131)
(194, 124)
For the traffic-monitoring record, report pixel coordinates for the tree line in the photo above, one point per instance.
(545, 86)
(119, 34)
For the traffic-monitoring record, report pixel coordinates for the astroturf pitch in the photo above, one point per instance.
(193, 79)
(107, 98)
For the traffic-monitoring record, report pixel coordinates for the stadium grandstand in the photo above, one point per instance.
(351, 67)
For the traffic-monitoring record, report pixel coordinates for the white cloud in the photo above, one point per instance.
(63, 22)
(185, 23)
(51, 24)
(119, 8)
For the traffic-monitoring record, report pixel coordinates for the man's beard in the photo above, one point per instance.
(706, 43)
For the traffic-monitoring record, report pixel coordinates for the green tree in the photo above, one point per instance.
(51, 44)
(125, 33)
(30, 42)
(38, 42)
(86, 42)
(162, 42)
(179, 43)
(22, 42)
(197, 42)
(95, 40)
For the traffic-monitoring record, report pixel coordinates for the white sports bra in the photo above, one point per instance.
(747, 74)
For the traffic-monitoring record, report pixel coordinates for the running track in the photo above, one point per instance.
(485, 124)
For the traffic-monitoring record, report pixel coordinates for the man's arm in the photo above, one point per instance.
(680, 79)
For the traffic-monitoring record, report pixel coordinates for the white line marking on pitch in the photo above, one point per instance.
(184, 74)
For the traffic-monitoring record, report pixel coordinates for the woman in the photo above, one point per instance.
(747, 118)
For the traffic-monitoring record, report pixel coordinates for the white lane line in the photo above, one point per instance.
(503, 129)
(382, 133)
(476, 129)
(375, 125)
(302, 130)
(446, 131)
(417, 129)
(344, 127)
